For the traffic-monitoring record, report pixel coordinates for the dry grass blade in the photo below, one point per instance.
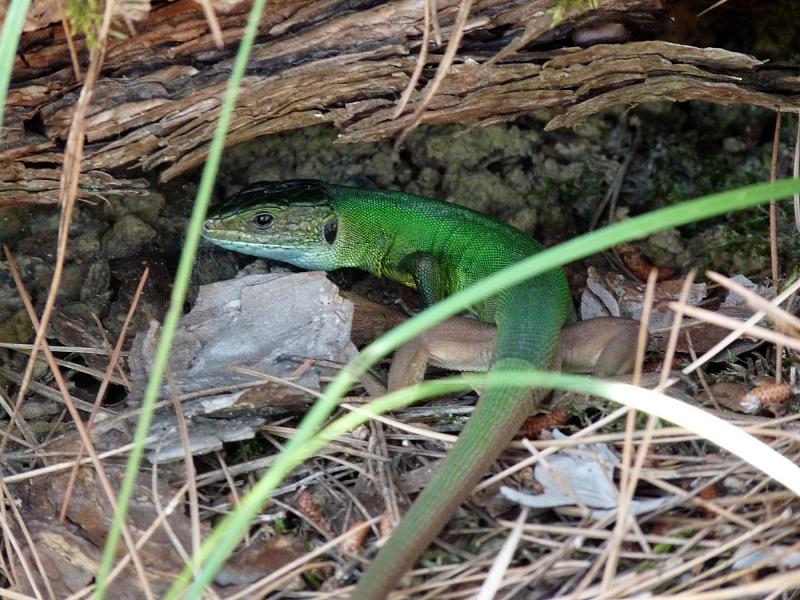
(740, 329)
(644, 326)
(757, 302)
(422, 432)
(693, 499)
(110, 351)
(274, 580)
(773, 207)
(712, 7)
(213, 23)
(456, 34)
(44, 391)
(630, 476)
(73, 366)
(83, 433)
(11, 540)
(796, 174)
(73, 53)
(163, 513)
(267, 377)
(101, 393)
(437, 30)
(423, 56)
(63, 466)
(735, 324)
(773, 235)
(67, 349)
(188, 462)
(672, 345)
(494, 579)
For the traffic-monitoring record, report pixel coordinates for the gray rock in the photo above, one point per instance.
(127, 237)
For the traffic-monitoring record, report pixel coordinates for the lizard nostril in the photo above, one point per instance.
(208, 225)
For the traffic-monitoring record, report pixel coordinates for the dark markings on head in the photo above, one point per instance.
(297, 192)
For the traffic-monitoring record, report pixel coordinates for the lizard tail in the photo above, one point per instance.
(497, 417)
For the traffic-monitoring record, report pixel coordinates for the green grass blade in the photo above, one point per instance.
(226, 536)
(9, 39)
(179, 289)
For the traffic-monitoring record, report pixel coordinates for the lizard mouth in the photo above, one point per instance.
(213, 232)
(210, 228)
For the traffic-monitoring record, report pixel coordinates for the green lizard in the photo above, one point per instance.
(437, 248)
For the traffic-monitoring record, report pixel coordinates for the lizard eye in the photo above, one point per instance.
(330, 230)
(263, 220)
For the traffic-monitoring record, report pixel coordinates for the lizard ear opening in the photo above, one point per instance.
(330, 230)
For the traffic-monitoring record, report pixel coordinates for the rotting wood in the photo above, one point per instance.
(345, 62)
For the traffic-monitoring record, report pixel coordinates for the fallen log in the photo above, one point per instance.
(345, 62)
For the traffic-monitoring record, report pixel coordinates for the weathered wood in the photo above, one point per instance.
(346, 62)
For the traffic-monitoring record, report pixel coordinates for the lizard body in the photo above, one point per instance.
(438, 248)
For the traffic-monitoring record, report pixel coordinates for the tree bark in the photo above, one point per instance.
(346, 62)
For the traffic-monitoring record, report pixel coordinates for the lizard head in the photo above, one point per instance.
(290, 221)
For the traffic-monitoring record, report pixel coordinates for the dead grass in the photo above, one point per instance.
(694, 547)
(723, 511)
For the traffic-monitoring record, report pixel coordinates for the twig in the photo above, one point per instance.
(494, 578)
(101, 393)
(73, 53)
(734, 324)
(740, 329)
(73, 153)
(773, 234)
(213, 23)
(628, 484)
(456, 34)
(796, 174)
(757, 302)
(188, 462)
(83, 433)
(107, 345)
(423, 55)
(13, 541)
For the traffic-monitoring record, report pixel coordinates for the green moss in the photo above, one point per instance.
(85, 17)
(562, 7)
(17, 329)
(280, 526)
(740, 244)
